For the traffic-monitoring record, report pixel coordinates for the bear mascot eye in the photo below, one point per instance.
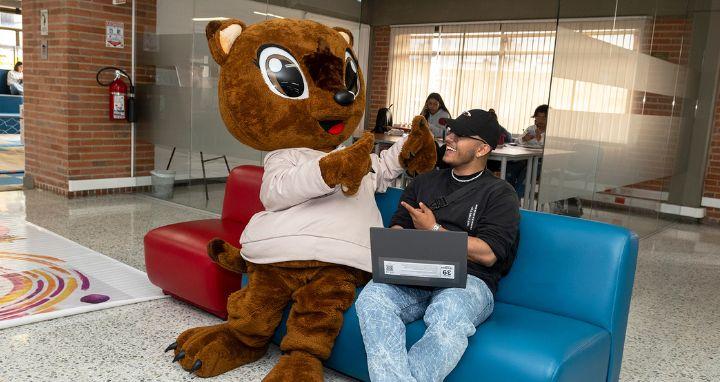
(352, 82)
(281, 73)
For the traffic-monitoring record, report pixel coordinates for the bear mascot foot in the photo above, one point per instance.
(296, 366)
(212, 350)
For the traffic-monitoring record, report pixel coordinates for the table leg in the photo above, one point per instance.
(528, 182)
(503, 168)
(536, 164)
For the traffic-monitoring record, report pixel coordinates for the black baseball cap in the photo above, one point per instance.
(475, 122)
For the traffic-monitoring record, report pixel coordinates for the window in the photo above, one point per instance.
(10, 39)
(505, 66)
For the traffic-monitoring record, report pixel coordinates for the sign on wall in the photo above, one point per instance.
(43, 22)
(114, 35)
(43, 49)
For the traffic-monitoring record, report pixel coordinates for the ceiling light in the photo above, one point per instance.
(268, 14)
(209, 18)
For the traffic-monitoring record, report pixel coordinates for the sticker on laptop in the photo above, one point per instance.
(402, 268)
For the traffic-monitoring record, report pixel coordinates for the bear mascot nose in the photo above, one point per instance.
(344, 97)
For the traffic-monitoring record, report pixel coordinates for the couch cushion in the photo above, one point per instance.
(520, 344)
(575, 268)
(514, 344)
(176, 260)
(242, 194)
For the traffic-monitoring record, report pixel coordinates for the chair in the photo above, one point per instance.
(202, 163)
(560, 314)
(4, 88)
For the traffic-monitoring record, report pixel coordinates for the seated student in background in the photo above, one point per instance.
(489, 214)
(15, 79)
(506, 136)
(535, 134)
(433, 111)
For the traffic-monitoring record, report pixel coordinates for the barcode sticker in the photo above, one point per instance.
(399, 268)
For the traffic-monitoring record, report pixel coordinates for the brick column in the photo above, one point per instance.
(668, 38)
(712, 173)
(378, 83)
(68, 135)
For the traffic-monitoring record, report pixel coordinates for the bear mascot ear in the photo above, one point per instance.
(345, 34)
(221, 35)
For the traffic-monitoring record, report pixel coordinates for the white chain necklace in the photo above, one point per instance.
(452, 172)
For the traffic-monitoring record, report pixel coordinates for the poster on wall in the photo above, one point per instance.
(114, 35)
(43, 22)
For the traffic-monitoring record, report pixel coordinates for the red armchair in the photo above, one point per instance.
(172, 250)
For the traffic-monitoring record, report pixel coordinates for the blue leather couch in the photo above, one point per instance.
(9, 107)
(560, 314)
(9, 104)
(4, 88)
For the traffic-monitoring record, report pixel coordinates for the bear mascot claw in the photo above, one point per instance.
(294, 88)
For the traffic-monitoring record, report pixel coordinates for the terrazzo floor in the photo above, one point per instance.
(673, 332)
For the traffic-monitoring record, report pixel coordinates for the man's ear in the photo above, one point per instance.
(346, 34)
(484, 150)
(221, 35)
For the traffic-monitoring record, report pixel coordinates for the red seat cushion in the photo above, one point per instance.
(176, 260)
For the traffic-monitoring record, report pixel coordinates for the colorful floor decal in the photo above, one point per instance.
(44, 276)
(9, 182)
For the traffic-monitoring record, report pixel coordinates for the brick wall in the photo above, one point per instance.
(712, 173)
(668, 39)
(379, 64)
(67, 132)
(671, 42)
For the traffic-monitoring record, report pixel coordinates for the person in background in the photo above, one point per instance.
(15, 79)
(494, 165)
(433, 112)
(534, 135)
(507, 137)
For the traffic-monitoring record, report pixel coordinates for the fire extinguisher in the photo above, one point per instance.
(118, 98)
(122, 102)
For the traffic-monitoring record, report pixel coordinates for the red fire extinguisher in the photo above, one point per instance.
(118, 98)
(122, 97)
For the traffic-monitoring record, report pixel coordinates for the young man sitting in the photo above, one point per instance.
(490, 216)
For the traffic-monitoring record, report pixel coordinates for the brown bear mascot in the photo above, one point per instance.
(294, 88)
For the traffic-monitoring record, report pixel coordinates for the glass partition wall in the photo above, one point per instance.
(621, 79)
(180, 124)
(620, 99)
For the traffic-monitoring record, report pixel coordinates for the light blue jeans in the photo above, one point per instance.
(450, 314)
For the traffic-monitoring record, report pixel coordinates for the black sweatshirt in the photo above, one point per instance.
(490, 213)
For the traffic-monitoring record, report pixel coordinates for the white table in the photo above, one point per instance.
(533, 156)
(503, 154)
(518, 153)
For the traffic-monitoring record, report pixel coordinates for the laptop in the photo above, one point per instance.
(419, 257)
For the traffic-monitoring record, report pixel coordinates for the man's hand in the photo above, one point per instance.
(423, 217)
